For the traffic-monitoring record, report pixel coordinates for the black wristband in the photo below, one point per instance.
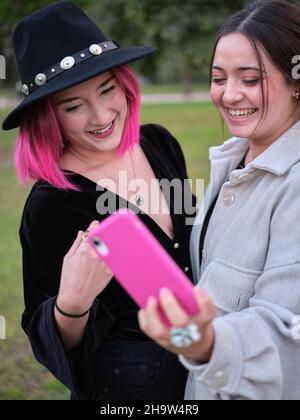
(70, 315)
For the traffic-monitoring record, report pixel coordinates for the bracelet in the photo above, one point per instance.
(70, 315)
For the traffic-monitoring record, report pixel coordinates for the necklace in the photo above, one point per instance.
(138, 199)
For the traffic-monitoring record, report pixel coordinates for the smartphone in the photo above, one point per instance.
(139, 262)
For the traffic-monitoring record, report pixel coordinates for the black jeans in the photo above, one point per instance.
(139, 371)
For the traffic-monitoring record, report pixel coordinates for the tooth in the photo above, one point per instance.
(104, 130)
(242, 113)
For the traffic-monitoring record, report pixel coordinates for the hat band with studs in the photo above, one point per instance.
(66, 64)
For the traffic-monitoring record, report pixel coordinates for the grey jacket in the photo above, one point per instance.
(251, 269)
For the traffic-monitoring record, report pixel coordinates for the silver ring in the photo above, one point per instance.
(186, 336)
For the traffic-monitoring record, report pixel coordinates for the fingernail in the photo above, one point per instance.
(151, 301)
(165, 292)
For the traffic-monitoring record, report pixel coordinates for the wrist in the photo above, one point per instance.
(203, 351)
(71, 315)
(71, 306)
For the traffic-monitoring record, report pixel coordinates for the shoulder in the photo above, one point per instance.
(158, 138)
(158, 134)
(43, 195)
(290, 185)
(154, 129)
(43, 206)
(233, 146)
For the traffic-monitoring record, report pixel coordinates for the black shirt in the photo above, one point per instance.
(49, 225)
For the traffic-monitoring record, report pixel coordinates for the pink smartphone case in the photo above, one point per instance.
(139, 262)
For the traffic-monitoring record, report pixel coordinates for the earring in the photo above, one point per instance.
(297, 95)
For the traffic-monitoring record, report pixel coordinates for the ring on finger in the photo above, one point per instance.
(85, 236)
(186, 336)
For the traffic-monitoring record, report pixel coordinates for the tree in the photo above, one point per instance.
(183, 31)
(11, 12)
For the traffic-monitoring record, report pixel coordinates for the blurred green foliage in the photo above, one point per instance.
(184, 31)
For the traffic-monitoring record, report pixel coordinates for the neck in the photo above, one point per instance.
(259, 146)
(93, 158)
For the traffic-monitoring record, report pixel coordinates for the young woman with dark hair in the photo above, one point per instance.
(244, 343)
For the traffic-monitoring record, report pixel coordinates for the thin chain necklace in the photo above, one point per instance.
(138, 199)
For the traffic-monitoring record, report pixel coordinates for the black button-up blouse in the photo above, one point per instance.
(49, 225)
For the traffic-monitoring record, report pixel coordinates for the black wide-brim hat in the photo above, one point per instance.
(58, 47)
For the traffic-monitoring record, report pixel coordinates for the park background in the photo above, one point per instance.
(175, 87)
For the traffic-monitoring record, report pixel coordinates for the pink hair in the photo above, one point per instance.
(128, 81)
(40, 143)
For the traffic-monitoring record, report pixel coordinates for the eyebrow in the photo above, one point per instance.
(239, 68)
(63, 101)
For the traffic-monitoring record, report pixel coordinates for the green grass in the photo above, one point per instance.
(197, 128)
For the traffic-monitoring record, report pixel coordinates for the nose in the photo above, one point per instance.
(232, 93)
(99, 117)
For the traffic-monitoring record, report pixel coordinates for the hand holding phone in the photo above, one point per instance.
(139, 262)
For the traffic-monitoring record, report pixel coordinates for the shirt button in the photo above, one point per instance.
(228, 199)
(220, 380)
(176, 246)
(187, 269)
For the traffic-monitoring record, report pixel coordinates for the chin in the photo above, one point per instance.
(241, 131)
(244, 134)
(110, 146)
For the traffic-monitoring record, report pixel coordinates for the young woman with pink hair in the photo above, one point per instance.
(79, 139)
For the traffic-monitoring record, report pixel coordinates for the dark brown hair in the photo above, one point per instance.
(273, 25)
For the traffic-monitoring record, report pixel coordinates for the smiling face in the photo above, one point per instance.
(92, 114)
(237, 94)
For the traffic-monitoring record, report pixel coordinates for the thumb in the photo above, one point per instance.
(93, 225)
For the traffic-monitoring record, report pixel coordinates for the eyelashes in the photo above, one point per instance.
(110, 89)
(103, 93)
(72, 108)
(251, 82)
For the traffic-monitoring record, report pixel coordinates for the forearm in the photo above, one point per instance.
(71, 330)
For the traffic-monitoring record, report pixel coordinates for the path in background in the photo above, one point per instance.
(168, 98)
(6, 102)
